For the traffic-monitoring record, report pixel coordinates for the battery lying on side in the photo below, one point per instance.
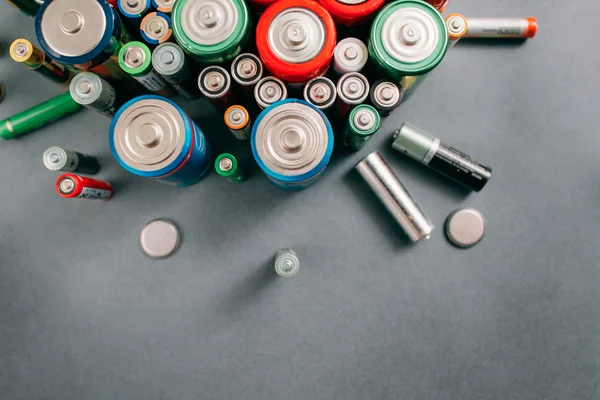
(501, 28)
(59, 159)
(23, 52)
(95, 93)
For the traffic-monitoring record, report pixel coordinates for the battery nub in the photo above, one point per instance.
(67, 185)
(226, 164)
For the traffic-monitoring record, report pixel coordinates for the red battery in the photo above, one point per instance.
(296, 40)
(72, 186)
(350, 13)
(440, 5)
(114, 3)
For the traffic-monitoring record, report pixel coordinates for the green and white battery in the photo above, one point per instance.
(136, 60)
(227, 166)
(363, 122)
(211, 31)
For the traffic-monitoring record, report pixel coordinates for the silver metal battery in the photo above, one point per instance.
(247, 69)
(457, 28)
(215, 83)
(465, 227)
(350, 55)
(386, 96)
(515, 28)
(169, 60)
(352, 89)
(156, 29)
(95, 93)
(287, 263)
(160, 238)
(238, 121)
(59, 159)
(136, 61)
(320, 92)
(384, 183)
(269, 90)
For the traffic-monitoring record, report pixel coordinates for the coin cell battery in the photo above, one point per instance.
(465, 227)
(159, 238)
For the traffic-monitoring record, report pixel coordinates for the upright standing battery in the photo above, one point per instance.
(457, 26)
(163, 6)
(136, 60)
(363, 123)
(214, 83)
(156, 29)
(95, 93)
(352, 12)
(269, 90)
(321, 93)
(22, 51)
(134, 10)
(169, 60)
(238, 121)
(350, 55)
(352, 90)
(386, 96)
(227, 167)
(247, 70)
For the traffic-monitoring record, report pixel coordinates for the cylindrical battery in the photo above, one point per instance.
(394, 196)
(352, 12)
(152, 137)
(95, 93)
(227, 166)
(59, 159)
(38, 116)
(247, 70)
(440, 5)
(350, 55)
(430, 151)
(71, 186)
(296, 39)
(212, 32)
(292, 142)
(321, 93)
(386, 96)
(29, 7)
(352, 90)
(501, 28)
(457, 28)
(286, 263)
(238, 121)
(156, 29)
(83, 34)
(169, 60)
(214, 83)
(163, 6)
(363, 122)
(269, 90)
(134, 10)
(22, 51)
(135, 59)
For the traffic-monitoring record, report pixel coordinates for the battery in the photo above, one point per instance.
(38, 116)
(59, 159)
(430, 151)
(134, 10)
(95, 93)
(501, 28)
(156, 28)
(160, 238)
(215, 84)
(227, 166)
(394, 196)
(439, 5)
(408, 38)
(269, 90)
(22, 51)
(286, 263)
(213, 31)
(352, 90)
(320, 92)
(238, 121)
(29, 7)
(363, 122)
(163, 6)
(457, 28)
(350, 55)
(247, 70)
(169, 60)
(296, 40)
(386, 96)
(352, 12)
(70, 186)
(465, 227)
(135, 59)
(292, 142)
(152, 137)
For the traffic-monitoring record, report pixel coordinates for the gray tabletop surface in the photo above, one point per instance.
(85, 315)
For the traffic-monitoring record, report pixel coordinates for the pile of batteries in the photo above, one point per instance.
(335, 66)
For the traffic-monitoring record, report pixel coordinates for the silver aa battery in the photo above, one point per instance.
(93, 92)
(287, 263)
(59, 159)
(395, 197)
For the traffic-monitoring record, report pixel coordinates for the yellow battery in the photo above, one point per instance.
(24, 52)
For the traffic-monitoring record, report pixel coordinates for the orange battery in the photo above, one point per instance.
(501, 28)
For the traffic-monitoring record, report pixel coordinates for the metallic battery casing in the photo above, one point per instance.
(457, 26)
(214, 83)
(247, 70)
(71, 186)
(386, 96)
(155, 29)
(238, 121)
(95, 93)
(58, 159)
(269, 90)
(227, 167)
(286, 263)
(394, 196)
(22, 51)
(350, 55)
(501, 28)
(134, 10)
(169, 60)
(430, 151)
(363, 123)
(135, 59)
(352, 90)
(320, 92)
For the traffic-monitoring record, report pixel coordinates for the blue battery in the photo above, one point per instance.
(152, 137)
(292, 142)
(134, 10)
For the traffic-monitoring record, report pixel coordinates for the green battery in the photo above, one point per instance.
(227, 166)
(211, 32)
(44, 113)
(363, 122)
(408, 38)
(136, 60)
(29, 7)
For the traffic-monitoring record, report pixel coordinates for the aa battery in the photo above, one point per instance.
(439, 5)
(134, 10)
(430, 151)
(269, 90)
(350, 55)
(352, 12)
(70, 186)
(156, 29)
(152, 137)
(59, 159)
(227, 167)
(82, 34)
(457, 28)
(135, 59)
(38, 116)
(247, 70)
(394, 196)
(363, 122)
(95, 93)
(215, 84)
(29, 7)
(169, 60)
(163, 6)
(296, 40)
(386, 96)
(211, 32)
(502, 28)
(321, 93)
(22, 51)
(286, 263)
(238, 121)
(292, 142)
(352, 90)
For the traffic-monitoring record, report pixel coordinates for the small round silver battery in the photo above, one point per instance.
(287, 263)
(246, 69)
(353, 88)
(59, 159)
(350, 55)
(465, 227)
(320, 92)
(159, 238)
(214, 82)
(269, 90)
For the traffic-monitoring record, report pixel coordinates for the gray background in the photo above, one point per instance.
(85, 315)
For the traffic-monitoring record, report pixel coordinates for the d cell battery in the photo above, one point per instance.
(352, 12)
